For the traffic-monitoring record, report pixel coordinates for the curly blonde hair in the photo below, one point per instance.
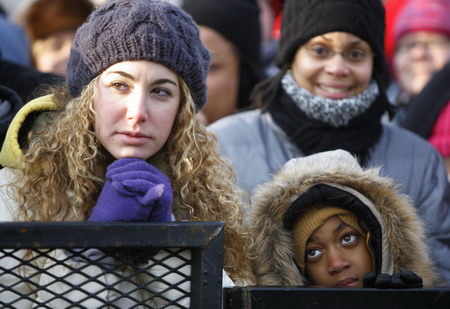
(65, 164)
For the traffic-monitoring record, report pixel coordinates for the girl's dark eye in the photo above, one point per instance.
(312, 253)
(349, 239)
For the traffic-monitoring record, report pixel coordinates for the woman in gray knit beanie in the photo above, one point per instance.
(121, 142)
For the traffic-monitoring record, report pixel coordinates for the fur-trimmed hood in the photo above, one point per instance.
(396, 229)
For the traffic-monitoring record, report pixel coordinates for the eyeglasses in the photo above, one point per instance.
(351, 55)
(429, 46)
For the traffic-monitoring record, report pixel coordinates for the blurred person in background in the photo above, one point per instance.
(428, 114)
(392, 7)
(18, 81)
(421, 35)
(51, 26)
(231, 32)
(14, 43)
(269, 42)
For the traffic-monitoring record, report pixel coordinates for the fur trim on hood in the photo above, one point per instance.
(398, 233)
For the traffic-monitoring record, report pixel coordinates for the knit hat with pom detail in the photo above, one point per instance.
(127, 30)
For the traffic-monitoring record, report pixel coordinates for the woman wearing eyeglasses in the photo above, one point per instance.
(330, 94)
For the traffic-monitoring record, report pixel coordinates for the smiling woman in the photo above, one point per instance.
(345, 60)
(121, 141)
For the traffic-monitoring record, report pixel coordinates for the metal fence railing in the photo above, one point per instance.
(155, 265)
(111, 265)
(335, 298)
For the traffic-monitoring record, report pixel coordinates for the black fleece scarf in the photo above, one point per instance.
(312, 136)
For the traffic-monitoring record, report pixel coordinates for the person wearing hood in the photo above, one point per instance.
(324, 221)
(120, 141)
(330, 94)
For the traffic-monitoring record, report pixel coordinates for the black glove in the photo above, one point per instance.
(405, 279)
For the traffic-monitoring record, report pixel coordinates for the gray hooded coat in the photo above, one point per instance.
(395, 227)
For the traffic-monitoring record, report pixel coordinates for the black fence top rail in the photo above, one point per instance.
(330, 298)
(107, 234)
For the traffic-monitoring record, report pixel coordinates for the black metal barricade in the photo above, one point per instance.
(111, 265)
(327, 298)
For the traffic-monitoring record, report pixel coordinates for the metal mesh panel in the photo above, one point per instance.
(113, 265)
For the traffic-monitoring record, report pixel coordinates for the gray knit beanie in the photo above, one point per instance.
(152, 30)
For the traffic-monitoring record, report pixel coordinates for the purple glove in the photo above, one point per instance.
(134, 191)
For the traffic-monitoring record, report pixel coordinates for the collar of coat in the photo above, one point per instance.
(11, 153)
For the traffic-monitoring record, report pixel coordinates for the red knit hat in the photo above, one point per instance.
(423, 15)
(440, 135)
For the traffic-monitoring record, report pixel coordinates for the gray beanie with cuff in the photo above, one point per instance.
(126, 30)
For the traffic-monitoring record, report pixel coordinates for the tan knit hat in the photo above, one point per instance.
(311, 220)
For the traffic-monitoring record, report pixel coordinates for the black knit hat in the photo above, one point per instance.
(304, 19)
(237, 20)
(152, 30)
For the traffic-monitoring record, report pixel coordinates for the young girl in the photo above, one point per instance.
(324, 221)
(121, 142)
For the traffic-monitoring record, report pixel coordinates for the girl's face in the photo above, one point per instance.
(336, 65)
(135, 106)
(337, 255)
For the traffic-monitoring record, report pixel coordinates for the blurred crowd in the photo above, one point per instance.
(242, 37)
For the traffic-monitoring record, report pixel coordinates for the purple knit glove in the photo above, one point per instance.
(134, 191)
